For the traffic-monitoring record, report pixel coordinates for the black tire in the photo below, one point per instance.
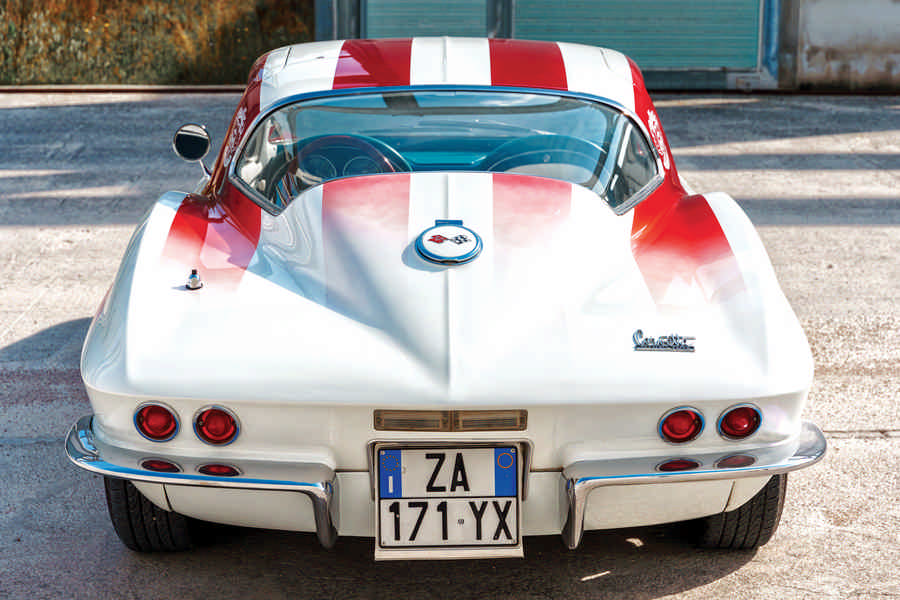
(140, 524)
(747, 527)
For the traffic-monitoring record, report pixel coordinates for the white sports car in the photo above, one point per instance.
(444, 293)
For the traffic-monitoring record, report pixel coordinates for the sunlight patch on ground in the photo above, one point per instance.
(105, 191)
(10, 173)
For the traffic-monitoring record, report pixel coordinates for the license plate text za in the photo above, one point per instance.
(448, 497)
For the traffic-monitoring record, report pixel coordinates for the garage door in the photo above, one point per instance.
(657, 34)
(405, 18)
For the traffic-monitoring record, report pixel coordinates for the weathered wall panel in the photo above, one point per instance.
(848, 45)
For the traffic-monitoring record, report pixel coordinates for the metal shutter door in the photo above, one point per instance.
(657, 34)
(406, 18)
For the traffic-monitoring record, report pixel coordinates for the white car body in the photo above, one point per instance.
(322, 314)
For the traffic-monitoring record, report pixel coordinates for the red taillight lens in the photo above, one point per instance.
(162, 466)
(216, 426)
(737, 461)
(156, 422)
(678, 464)
(681, 425)
(219, 470)
(740, 422)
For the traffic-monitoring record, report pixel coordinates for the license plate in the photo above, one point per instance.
(448, 502)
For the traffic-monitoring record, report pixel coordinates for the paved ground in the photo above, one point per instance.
(819, 175)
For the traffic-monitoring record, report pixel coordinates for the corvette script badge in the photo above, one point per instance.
(664, 343)
(448, 242)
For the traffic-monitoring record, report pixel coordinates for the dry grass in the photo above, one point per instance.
(153, 41)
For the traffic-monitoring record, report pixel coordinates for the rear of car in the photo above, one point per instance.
(445, 313)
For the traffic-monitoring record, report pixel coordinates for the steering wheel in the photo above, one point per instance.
(555, 151)
(329, 156)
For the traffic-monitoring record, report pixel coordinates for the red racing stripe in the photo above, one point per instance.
(526, 209)
(519, 63)
(367, 63)
(218, 240)
(683, 243)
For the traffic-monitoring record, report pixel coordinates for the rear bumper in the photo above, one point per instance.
(319, 482)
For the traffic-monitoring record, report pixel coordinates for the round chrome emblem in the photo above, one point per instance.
(448, 242)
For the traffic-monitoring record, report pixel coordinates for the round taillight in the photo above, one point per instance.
(737, 461)
(216, 425)
(161, 466)
(156, 422)
(739, 422)
(219, 470)
(678, 464)
(680, 425)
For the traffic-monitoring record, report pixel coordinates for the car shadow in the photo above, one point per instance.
(638, 563)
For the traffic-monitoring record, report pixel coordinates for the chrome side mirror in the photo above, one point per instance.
(192, 143)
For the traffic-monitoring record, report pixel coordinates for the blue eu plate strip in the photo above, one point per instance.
(389, 477)
(505, 460)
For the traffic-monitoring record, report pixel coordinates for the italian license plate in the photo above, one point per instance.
(448, 502)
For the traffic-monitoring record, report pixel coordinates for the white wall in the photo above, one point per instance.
(848, 43)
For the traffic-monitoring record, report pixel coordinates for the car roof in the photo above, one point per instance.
(342, 64)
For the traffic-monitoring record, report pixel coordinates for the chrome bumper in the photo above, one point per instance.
(582, 477)
(316, 481)
(319, 482)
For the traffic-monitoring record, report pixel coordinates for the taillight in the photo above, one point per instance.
(219, 470)
(216, 425)
(737, 461)
(678, 464)
(156, 422)
(739, 422)
(680, 425)
(161, 466)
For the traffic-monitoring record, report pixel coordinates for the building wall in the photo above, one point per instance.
(840, 44)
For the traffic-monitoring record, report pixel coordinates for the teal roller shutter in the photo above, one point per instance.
(657, 34)
(406, 18)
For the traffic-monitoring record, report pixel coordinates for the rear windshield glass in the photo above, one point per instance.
(587, 143)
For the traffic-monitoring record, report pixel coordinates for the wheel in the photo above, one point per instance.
(747, 527)
(140, 524)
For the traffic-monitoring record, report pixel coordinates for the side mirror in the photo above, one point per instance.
(191, 142)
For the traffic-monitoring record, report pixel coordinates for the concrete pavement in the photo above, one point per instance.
(819, 175)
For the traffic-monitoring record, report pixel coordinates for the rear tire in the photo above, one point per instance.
(747, 527)
(140, 524)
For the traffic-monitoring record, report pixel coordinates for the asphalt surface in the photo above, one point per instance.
(820, 176)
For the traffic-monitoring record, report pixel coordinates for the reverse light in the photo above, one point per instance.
(681, 425)
(156, 422)
(736, 461)
(678, 464)
(218, 470)
(216, 425)
(739, 422)
(160, 466)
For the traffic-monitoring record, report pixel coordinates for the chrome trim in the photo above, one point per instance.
(229, 412)
(696, 411)
(526, 447)
(731, 408)
(316, 481)
(258, 198)
(165, 406)
(582, 477)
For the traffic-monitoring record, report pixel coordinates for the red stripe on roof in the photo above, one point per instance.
(367, 63)
(519, 63)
